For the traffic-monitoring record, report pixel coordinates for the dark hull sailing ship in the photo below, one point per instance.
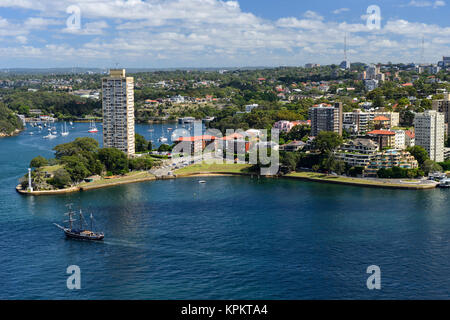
(80, 233)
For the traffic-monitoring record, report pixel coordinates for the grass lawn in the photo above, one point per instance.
(222, 168)
(323, 177)
(128, 177)
(51, 169)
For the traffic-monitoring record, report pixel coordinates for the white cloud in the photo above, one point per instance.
(338, 11)
(312, 15)
(204, 32)
(90, 28)
(21, 39)
(422, 4)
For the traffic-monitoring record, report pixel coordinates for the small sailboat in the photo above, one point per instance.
(92, 127)
(64, 131)
(162, 139)
(50, 136)
(80, 233)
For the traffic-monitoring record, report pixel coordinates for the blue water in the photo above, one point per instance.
(231, 238)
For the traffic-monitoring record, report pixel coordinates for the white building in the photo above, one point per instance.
(250, 107)
(429, 133)
(118, 111)
(400, 139)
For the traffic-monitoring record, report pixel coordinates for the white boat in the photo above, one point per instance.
(444, 183)
(71, 123)
(162, 139)
(50, 136)
(202, 181)
(92, 127)
(64, 131)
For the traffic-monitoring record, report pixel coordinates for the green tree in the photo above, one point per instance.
(289, 160)
(38, 162)
(431, 166)
(298, 132)
(327, 141)
(140, 144)
(164, 148)
(86, 144)
(114, 160)
(61, 179)
(419, 153)
(141, 163)
(76, 167)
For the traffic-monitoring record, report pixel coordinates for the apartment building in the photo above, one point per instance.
(384, 138)
(388, 159)
(429, 133)
(325, 117)
(357, 152)
(359, 122)
(443, 106)
(118, 111)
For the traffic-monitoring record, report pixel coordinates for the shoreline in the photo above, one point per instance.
(306, 176)
(85, 187)
(292, 176)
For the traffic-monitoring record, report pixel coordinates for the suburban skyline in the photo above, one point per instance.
(213, 33)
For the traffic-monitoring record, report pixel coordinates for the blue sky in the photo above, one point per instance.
(215, 33)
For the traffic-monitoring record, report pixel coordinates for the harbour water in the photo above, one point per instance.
(230, 238)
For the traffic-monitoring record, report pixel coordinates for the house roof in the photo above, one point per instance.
(381, 118)
(382, 132)
(410, 134)
(235, 135)
(196, 138)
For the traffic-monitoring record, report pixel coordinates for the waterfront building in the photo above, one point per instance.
(384, 138)
(443, 105)
(358, 152)
(409, 138)
(118, 111)
(292, 146)
(381, 122)
(356, 122)
(429, 133)
(394, 117)
(283, 125)
(186, 120)
(286, 126)
(389, 159)
(446, 153)
(325, 117)
(359, 122)
(193, 145)
(400, 139)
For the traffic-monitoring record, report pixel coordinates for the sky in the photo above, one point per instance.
(216, 33)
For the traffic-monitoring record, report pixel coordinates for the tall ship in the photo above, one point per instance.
(79, 232)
